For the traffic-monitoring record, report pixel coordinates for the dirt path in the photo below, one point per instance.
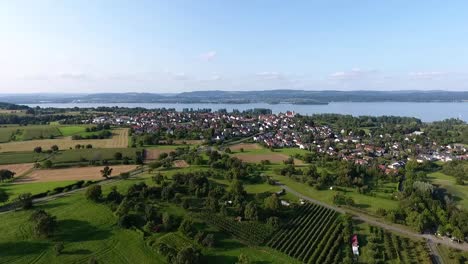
(436, 258)
(378, 222)
(65, 194)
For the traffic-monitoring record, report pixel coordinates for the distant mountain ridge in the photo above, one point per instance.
(239, 97)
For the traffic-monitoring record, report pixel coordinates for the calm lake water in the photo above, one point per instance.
(427, 112)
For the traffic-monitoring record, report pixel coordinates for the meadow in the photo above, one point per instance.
(255, 153)
(118, 140)
(72, 174)
(86, 155)
(363, 202)
(21, 157)
(88, 229)
(459, 192)
(14, 189)
(7, 132)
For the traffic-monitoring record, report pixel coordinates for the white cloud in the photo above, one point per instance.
(73, 76)
(266, 75)
(212, 78)
(353, 74)
(426, 75)
(181, 76)
(208, 56)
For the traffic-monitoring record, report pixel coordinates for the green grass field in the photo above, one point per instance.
(39, 132)
(89, 230)
(71, 130)
(21, 133)
(406, 250)
(13, 190)
(77, 155)
(459, 192)
(6, 133)
(363, 202)
(21, 157)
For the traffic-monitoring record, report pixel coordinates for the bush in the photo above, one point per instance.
(125, 175)
(58, 248)
(43, 223)
(94, 193)
(25, 201)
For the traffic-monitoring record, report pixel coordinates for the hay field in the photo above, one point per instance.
(245, 146)
(72, 174)
(118, 140)
(153, 154)
(272, 157)
(180, 164)
(19, 169)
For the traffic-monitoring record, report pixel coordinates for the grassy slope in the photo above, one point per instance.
(364, 202)
(21, 157)
(13, 190)
(6, 133)
(71, 130)
(88, 229)
(75, 155)
(460, 192)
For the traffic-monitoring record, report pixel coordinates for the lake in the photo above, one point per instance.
(427, 112)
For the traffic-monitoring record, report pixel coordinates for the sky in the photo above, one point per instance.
(85, 46)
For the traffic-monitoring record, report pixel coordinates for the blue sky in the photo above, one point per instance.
(171, 46)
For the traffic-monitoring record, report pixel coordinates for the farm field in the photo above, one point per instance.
(89, 229)
(255, 153)
(459, 192)
(449, 255)
(245, 146)
(71, 174)
(272, 157)
(363, 202)
(153, 153)
(39, 132)
(7, 132)
(18, 169)
(118, 140)
(21, 157)
(77, 155)
(14, 189)
(184, 142)
(313, 236)
(379, 246)
(71, 130)
(180, 164)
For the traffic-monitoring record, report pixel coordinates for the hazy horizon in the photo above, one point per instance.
(177, 46)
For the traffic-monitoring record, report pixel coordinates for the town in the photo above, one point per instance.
(287, 130)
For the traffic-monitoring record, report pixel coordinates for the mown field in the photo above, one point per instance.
(14, 189)
(363, 202)
(21, 157)
(458, 192)
(7, 132)
(18, 169)
(86, 155)
(118, 140)
(71, 174)
(255, 153)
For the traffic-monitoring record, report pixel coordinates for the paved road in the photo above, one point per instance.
(377, 222)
